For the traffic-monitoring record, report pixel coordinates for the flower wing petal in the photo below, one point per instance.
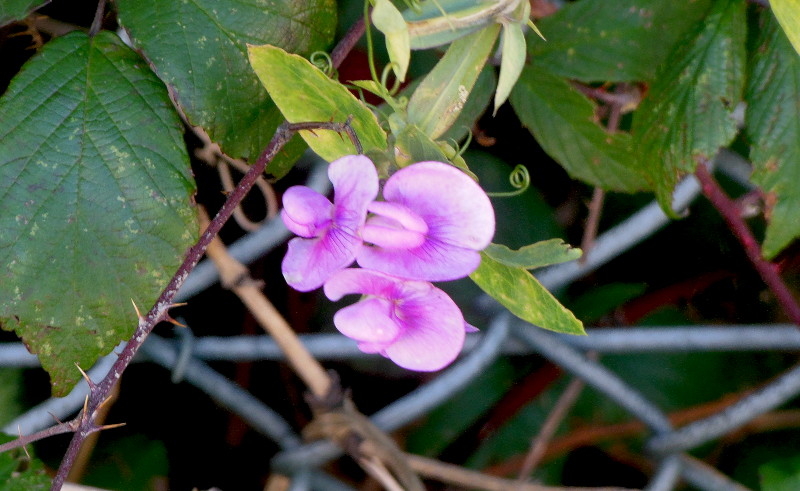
(360, 281)
(305, 211)
(433, 261)
(368, 321)
(310, 262)
(432, 332)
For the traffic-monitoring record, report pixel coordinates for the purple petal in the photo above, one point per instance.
(305, 211)
(355, 185)
(387, 233)
(432, 332)
(433, 261)
(368, 321)
(456, 209)
(359, 281)
(310, 262)
(404, 216)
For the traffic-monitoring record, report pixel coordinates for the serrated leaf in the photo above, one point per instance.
(522, 294)
(538, 255)
(563, 121)
(390, 22)
(11, 10)
(441, 96)
(788, 14)
(199, 49)
(303, 93)
(512, 62)
(95, 189)
(624, 40)
(688, 114)
(773, 127)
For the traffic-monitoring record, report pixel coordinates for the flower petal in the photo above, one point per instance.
(432, 332)
(355, 185)
(368, 321)
(455, 208)
(433, 261)
(310, 262)
(305, 211)
(359, 281)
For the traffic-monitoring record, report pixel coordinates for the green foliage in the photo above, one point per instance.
(303, 93)
(95, 189)
(522, 294)
(441, 96)
(18, 472)
(200, 51)
(689, 113)
(620, 41)
(534, 256)
(563, 121)
(128, 464)
(388, 19)
(788, 14)
(773, 127)
(781, 474)
(11, 10)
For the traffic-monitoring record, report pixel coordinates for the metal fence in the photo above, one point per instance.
(186, 359)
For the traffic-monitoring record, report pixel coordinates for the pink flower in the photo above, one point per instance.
(412, 323)
(330, 233)
(430, 227)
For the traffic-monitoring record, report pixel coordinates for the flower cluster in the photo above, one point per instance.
(429, 226)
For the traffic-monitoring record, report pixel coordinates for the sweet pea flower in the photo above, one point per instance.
(412, 323)
(330, 233)
(430, 227)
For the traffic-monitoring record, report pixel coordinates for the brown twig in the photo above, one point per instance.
(159, 312)
(731, 214)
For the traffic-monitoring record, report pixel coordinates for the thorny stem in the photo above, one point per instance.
(768, 271)
(159, 312)
(97, 22)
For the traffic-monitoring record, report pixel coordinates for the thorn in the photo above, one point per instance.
(55, 418)
(138, 314)
(313, 132)
(86, 378)
(179, 304)
(105, 401)
(169, 319)
(19, 432)
(109, 427)
(85, 406)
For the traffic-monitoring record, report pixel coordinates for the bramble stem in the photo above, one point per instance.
(768, 271)
(100, 392)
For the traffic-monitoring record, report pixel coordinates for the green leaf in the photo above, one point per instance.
(390, 22)
(441, 96)
(773, 127)
(18, 472)
(564, 123)
(11, 10)
(538, 255)
(199, 49)
(688, 114)
(438, 23)
(522, 294)
(479, 98)
(788, 14)
(96, 193)
(624, 40)
(304, 93)
(414, 146)
(512, 62)
(781, 474)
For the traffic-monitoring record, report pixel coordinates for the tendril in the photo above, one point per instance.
(384, 78)
(370, 49)
(520, 179)
(323, 61)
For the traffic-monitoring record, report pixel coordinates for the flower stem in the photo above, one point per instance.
(768, 271)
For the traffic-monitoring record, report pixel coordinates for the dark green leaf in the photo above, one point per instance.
(781, 475)
(523, 295)
(536, 255)
(624, 40)
(564, 123)
(688, 114)
(773, 127)
(439, 99)
(199, 49)
(11, 10)
(95, 189)
(18, 472)
(304, 93)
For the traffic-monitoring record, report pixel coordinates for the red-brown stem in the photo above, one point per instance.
(347, 43)
(99, 393)
(730, 212)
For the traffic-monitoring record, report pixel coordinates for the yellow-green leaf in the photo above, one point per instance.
(390, 22)
(788, 14)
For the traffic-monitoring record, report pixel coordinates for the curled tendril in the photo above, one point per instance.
(323, 61)
(460, 149)
(519, 179)
(384, 78)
